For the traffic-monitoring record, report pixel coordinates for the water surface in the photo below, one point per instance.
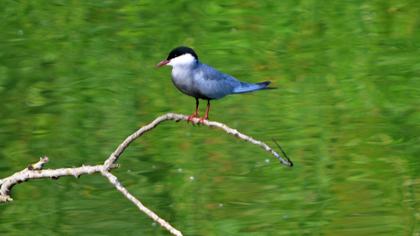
(77, 77)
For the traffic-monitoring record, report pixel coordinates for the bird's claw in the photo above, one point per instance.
(191, 117)
(201, 120)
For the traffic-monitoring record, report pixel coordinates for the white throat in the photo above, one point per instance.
(185, 60)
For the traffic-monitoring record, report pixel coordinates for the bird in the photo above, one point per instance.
(202, 81)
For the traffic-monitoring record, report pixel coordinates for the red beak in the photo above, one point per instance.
(162, 63)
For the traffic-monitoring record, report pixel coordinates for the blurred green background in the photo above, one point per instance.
(77, 77)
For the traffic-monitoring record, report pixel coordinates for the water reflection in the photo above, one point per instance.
(77, 78)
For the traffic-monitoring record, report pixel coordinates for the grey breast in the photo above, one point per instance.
(183, 80)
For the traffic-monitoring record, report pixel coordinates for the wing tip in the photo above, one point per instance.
(248, 87)
(264, 84)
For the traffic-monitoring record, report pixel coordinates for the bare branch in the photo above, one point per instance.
(37, 166)
(28, 174)
(36, 171)
(178, 117)
(114, 181)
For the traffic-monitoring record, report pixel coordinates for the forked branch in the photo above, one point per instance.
(36, 171)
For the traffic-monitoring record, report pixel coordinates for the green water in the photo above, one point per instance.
(77, 77)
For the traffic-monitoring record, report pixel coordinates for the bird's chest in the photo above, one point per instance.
(183, 80)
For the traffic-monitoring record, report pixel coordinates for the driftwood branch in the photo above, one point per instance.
(36, 170)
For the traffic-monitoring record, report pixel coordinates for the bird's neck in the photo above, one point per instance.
(185, 67)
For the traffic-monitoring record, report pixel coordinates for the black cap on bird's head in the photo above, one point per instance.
(179, 51)
(176, 52)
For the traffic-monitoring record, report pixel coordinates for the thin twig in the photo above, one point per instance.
(114, 181)
(36, 171)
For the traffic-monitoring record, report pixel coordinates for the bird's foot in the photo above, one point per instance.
(202, 119)
(191, 117)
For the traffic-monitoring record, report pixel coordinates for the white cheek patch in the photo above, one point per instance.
(184, 60)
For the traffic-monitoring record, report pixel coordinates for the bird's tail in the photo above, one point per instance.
(247, 87)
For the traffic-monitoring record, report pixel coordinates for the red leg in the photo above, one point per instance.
(206, 116)
(195, 114)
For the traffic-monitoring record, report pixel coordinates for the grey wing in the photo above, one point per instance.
(214, 84)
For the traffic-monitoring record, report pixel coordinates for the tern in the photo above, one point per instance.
(202, 81)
